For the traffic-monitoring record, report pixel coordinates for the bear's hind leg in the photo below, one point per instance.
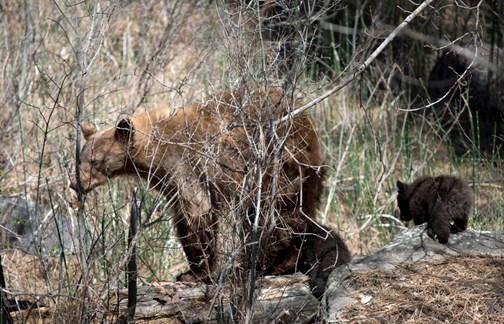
(439, 225)
(460, 223)
(458, 226)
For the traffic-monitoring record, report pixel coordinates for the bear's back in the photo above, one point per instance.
(421, 195)
(426, 192)
(227, 123)
(225, 134)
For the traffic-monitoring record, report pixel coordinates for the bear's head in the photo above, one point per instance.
(105, 155)
(403, 196)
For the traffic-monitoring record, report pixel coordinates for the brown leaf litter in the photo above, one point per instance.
(458, 289)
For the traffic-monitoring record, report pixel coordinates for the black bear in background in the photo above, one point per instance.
(444, 202)
(322, 251)
(470, 102)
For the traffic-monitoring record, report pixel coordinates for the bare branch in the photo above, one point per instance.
(361, 68)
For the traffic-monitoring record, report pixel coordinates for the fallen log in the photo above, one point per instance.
(278, 298)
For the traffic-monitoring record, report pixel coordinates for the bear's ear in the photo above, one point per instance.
(401, 187)
(87, 130)
(124, 131)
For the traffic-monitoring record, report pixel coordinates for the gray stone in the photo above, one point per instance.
(35, 229)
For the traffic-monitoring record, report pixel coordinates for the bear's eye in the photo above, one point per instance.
(93, 162)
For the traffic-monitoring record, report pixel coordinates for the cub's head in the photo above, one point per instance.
(403, 196)
(104, 155)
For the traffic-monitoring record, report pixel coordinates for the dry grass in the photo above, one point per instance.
(440, 290)
(190, 50)
(453, 290)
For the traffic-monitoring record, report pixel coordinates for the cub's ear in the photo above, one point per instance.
(124, 131)
(87, 130)
(401, 187)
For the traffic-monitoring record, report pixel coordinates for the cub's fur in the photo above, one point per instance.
(322, 251)
(444, 202)
(201, 157)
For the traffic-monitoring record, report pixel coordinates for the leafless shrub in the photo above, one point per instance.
(65, 63)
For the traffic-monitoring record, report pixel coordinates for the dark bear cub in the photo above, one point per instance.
(443, 202)
(322, 251)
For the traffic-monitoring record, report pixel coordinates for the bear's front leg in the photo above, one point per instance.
(195, 224)
(197, 234)
(196, 228)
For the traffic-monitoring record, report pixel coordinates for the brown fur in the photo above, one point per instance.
(444, 202)
(322, 251)
(200, 155)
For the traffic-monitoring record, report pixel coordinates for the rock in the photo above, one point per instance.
(32, 228)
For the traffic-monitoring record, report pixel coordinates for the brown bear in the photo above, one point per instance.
(322, 251)
(215, 158)
(444, 202)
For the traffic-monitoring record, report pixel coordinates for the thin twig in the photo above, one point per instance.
(131, 272)
(361, 68)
